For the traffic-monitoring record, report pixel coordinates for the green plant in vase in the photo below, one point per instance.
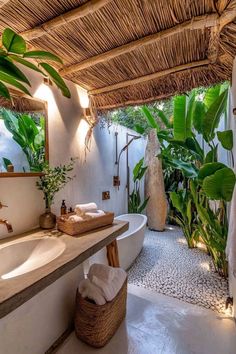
(53, 180)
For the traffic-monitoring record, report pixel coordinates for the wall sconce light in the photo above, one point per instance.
(47, 81)
(87, 113)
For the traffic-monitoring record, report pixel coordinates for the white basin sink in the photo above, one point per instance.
(23, 256)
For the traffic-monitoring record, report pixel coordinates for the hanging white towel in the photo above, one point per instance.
(91, 291)
(231, 241)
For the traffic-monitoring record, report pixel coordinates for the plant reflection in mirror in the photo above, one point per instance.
(28, 131)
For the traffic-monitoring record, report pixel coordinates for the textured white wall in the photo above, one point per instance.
(67, 131)
(232, 124)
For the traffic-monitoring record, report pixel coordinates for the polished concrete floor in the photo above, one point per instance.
(158, 324)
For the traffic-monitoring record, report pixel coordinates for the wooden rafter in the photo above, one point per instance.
(195, 24)
(149, 77)
(88, 8)
(3, 2)
(228, 16)
(134, 102)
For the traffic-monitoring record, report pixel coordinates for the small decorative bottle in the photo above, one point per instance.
(63, 207)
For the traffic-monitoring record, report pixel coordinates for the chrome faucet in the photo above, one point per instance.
(4, 221)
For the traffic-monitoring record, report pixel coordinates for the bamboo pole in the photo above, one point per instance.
(228, 16)
(134, 102)
(149, 77)
(88, 8)
(194, 24)
(3, 2)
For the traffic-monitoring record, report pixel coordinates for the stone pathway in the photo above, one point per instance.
(167, 266)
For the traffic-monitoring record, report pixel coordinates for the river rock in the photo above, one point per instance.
(154, 185)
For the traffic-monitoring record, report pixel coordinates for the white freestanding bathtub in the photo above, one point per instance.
(129, 243)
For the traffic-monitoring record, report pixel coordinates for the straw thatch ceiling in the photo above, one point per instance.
(131, 51)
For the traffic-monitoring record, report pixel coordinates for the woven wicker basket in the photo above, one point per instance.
(94, 324)
(76, 228)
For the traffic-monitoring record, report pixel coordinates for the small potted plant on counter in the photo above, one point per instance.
(53, 180)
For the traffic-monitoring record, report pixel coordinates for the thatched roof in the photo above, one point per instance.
(131, 51)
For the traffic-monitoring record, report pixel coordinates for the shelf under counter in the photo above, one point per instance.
(16, 291)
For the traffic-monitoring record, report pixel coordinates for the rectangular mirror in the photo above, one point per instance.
(23, 136)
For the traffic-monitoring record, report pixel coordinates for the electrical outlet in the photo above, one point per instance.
(106, 195)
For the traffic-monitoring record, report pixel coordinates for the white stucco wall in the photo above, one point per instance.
(67, 131)
(232, 125)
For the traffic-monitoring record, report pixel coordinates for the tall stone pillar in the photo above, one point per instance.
(154, 185)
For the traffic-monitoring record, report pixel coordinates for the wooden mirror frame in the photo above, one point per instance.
(19, 101)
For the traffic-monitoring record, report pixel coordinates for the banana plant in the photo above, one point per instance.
(185, 217)
(211, 227)
(14, 51)
(135, 203)
(28, 135)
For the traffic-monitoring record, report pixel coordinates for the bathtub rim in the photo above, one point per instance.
(144, 222)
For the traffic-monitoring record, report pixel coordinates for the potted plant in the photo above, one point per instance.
(53, 180)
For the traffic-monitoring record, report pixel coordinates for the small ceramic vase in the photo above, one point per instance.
(47, 220)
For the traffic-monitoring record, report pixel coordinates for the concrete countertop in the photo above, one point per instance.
(15, 291)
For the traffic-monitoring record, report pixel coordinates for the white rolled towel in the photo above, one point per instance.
(81, 209)
(101, 271)
(91, 291)
(110, 290)
(75, 218)
(95, 214)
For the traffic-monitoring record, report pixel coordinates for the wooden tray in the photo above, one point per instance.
(76, 228)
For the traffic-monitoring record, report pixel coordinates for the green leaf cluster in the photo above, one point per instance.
(136, 205)
(14, 50)
(29, 133)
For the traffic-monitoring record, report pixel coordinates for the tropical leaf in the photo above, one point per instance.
(198, 115)
(211, 156)
(226, 139)
(180, 108)
(213, 115)
(220, 185)
(163, 117)
(137, 169)
(211, 95)
(4, 91)
(56, 78)
(25, 63)
(40, 54)
(150, 118)
(143, 205)
(177, 201)
(139, 129)
(11, 81)
(7, 67)
(188, 169)
(6, 162)
(209, 169)
(13, 42)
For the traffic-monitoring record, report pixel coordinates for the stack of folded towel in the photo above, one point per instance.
(86, 212)
(103, 283)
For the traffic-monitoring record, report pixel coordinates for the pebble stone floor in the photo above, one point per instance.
(167, 266)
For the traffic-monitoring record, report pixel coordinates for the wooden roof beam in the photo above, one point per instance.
(88, 8)
(134, 102)
(3, 2)
(194, 24)
(149, 77)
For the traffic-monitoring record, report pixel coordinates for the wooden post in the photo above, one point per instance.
(112, 254)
